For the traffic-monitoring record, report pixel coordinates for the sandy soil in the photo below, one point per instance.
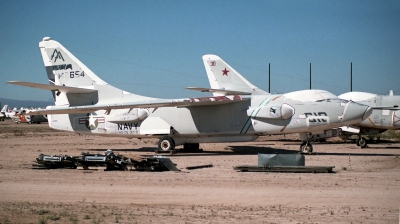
(365, 187)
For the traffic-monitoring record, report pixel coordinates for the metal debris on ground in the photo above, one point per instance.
(198, 167)
(108, 159)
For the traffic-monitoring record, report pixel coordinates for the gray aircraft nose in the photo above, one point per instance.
(355, 113)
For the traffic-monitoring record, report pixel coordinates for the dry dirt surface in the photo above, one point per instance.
(364, 188)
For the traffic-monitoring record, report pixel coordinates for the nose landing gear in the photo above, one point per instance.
(306, 147)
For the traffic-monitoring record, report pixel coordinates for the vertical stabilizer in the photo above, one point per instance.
(4, 109)
(223, 76)
(64, 69)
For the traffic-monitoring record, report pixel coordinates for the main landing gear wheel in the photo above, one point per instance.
(306, 147)
(362, 142)
(166, 143)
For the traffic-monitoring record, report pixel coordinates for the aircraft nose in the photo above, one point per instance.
(367, 113)
(356, 112)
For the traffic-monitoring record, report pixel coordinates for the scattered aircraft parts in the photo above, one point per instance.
(108, 159)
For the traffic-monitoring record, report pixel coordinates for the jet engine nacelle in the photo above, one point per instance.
(382, 119)
(136, 114)
(283, 111)
(396, 119)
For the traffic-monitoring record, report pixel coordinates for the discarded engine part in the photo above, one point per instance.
(108, 159)
(54, 162)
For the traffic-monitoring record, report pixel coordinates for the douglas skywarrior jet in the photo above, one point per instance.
(86, 104)
(316, 111)
(385, 115)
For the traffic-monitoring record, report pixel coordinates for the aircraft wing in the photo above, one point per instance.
(52, 87)
(395, 107)
(186, 102)
(222, 91)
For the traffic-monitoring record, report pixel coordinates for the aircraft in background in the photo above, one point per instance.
(22, 117)
(385, 115)
(84, 103)
(8, 112)
(3, 113)
(19, 116)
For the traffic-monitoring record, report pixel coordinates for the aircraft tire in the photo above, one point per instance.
(362, 142)
(166, 143)
(306, 147)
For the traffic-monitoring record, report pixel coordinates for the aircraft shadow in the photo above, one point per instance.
(237, 150)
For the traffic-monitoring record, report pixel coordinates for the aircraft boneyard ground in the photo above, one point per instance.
(365, 187)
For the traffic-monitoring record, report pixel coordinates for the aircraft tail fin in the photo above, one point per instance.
(222, 76)
(64, 69)
(4, 109)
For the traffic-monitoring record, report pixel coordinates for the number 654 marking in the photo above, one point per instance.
(76, 74)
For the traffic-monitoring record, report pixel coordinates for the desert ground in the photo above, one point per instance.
(364, 187)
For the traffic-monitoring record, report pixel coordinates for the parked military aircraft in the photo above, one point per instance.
(223, 77)
(19, 116)
(3, 113)
(8, 112)
(85, 103)
(385, 115)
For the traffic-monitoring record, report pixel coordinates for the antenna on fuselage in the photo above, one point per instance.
(269, 77)
(351, 76)
(310, 75)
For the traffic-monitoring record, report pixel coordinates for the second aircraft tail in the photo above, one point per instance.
(222, 76)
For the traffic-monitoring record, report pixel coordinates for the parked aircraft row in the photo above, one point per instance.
(385, 115)
(237, 111)
(20, 116)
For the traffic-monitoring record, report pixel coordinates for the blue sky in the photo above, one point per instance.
(154, 47)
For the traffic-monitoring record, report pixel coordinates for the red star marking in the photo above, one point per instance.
(225, 72)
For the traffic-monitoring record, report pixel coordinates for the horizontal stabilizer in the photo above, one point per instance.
(186, 102)
(222, 91)
(51, 87)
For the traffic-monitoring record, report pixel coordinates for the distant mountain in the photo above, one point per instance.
(25, 103)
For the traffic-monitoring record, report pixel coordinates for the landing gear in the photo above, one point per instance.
(361, 141)
(306, 147)
(166, 144)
